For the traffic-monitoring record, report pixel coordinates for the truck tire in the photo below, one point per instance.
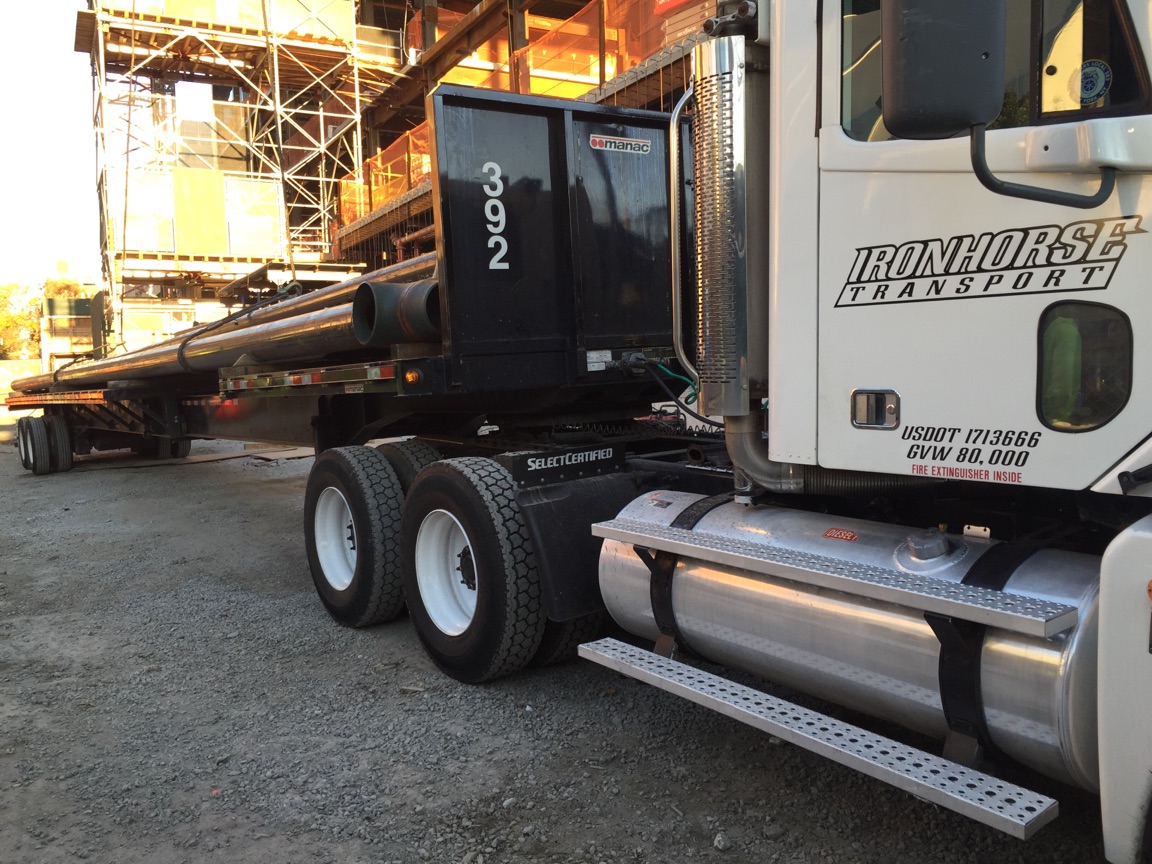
(561, 638)
(39, 449)
(351, 531)
(470, 570)
(180, 448)
(22, 445)
(408, 459)
(59, 442)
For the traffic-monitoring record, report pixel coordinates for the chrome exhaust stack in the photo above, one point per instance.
(728, 137)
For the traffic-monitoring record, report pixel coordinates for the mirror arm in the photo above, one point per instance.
(1036, 193)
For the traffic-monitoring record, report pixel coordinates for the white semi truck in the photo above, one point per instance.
(898, 250)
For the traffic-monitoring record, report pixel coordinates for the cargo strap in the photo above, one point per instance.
(961, 644)
(662, 566)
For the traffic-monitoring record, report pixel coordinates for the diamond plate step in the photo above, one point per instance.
(985, 799)
(1013, 612)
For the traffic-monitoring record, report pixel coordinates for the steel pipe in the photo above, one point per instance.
(301, 337)
(421, 267)
(386, 313)
(163, 358)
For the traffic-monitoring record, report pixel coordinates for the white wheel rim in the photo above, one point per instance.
(445, 565)
(335, 534)
(22, 444)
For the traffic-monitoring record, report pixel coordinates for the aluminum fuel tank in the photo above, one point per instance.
(1038, 695)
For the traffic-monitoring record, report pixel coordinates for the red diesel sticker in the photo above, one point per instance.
(620, 145)
(840, 534)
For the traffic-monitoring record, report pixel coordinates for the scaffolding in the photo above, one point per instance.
(632, 53)
(223, 129)
(236, 134)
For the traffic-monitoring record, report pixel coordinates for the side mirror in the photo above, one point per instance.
(943, 75)
(943, 63)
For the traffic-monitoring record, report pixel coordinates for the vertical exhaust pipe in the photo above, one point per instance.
(730, 142)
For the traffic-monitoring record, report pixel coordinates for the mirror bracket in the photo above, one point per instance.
(1036, 193)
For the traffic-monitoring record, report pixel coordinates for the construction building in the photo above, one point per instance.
(248, 145)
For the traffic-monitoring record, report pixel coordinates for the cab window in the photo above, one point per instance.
(1084, 365)
(1087, 64)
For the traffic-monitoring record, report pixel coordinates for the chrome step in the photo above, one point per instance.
(985, 799)
(1013, 612)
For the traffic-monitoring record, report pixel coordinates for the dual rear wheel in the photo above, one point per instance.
(457, 551)
(44, 444)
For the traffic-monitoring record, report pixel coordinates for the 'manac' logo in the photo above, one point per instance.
(620, 145)
(1042, 259)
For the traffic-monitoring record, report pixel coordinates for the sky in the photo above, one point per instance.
(48, 210)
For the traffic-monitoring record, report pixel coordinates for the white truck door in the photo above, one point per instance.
(969, 335)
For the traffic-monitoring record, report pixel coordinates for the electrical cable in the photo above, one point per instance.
(647, 366)
(692, 396)
(235, 316)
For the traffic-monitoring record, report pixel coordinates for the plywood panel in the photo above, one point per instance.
(199, 204)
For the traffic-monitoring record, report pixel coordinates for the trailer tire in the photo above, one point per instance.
(59, 442)
(22, 445)
(408, 459)
(180, 448)
(562, 638)
(351, 531)
(470, 570)
(39, 448)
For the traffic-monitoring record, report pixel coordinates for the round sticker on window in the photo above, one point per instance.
(1095, 81)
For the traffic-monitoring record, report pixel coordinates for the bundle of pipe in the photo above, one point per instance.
(300, 328)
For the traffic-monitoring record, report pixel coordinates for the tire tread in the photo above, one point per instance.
(409, 458)
(524, 619)
(376, 481)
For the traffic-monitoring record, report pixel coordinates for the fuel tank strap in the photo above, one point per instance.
(662, 565)
(995, 567)
(961, 645)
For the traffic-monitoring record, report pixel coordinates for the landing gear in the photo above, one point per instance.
(469, 570)
(351, 521)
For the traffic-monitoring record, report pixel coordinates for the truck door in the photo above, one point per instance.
(969, 335)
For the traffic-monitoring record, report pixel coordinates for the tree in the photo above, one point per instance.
(64, 289)
(19, 322)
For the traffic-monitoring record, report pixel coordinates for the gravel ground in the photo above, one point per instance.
(171, 690)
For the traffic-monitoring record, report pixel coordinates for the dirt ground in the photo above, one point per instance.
(171, 690)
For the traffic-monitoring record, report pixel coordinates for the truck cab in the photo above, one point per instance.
(939, 248)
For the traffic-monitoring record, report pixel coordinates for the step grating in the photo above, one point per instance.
(1014, 612)
(985, 799)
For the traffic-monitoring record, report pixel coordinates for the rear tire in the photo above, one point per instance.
(351, 523)
(409, 458)
(470, 570)
(59, 442)
(180, 448)
(39, 449)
